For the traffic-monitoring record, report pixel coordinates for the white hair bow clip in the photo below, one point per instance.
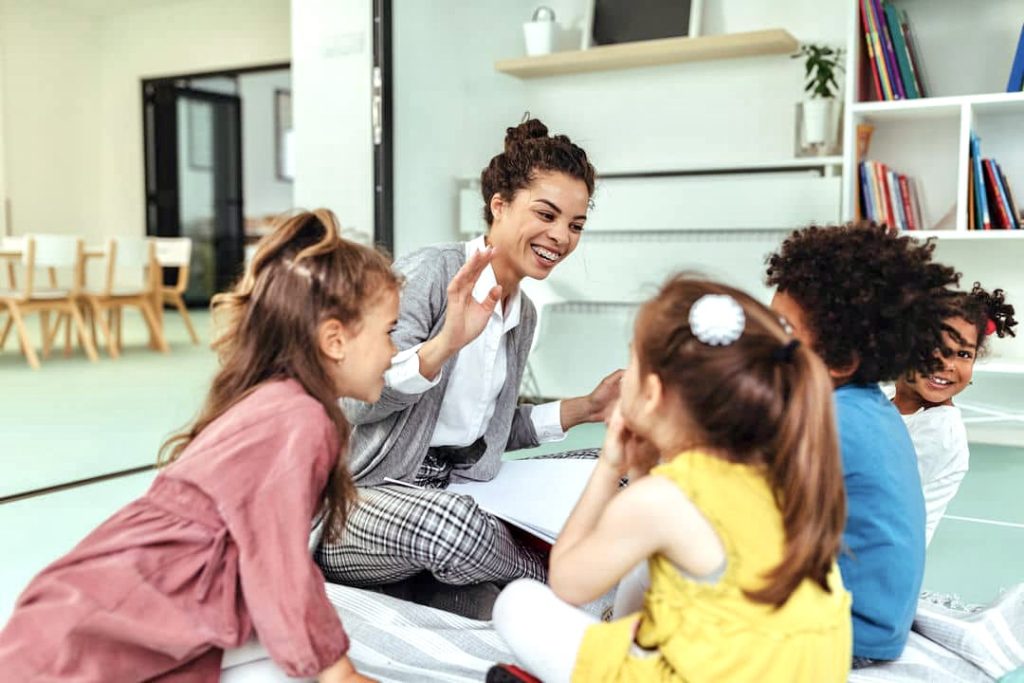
(717, 319)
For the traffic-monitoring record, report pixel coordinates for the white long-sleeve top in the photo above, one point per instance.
(477, 377)
(943, 456)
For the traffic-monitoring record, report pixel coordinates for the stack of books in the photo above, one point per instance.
(889, 198)
(989, 199)
(891, 55)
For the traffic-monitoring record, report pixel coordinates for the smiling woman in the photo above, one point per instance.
(450, 408)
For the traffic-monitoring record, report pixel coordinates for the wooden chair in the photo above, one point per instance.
(175, 252)
(137, 255)
(52, 252)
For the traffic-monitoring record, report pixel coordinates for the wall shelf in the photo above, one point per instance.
(966, 234)
(652, 53)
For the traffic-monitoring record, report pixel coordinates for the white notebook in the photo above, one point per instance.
(535, 494)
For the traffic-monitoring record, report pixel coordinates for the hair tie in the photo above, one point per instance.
(990, 327)
(784, 353)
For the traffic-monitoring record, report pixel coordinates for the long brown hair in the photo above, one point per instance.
(763, 400)
(303, 273)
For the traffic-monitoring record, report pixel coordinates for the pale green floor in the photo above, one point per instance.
(73, 420)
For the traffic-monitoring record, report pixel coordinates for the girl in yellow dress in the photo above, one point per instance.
(739, 520)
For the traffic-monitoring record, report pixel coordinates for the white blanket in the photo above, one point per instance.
(394, 640)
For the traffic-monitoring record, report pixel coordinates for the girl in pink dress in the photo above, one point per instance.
(218, 546)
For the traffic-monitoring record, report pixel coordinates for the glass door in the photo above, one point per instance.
(194, 180)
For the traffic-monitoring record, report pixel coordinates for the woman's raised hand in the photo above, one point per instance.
(466, 318)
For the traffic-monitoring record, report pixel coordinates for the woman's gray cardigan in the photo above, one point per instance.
(390, 438)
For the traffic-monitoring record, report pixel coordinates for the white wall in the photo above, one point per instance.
(50, 116)
(264, 192)
(3, 155)
(331, 72)
(181, 37)
(452, 107)
(72, 103)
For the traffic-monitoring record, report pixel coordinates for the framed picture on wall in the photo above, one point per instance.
(283, 134)
(609, 22)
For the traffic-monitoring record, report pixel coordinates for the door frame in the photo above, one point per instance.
(383, 125)
(147, 86)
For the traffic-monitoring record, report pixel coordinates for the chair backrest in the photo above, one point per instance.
(50, 252)
(12, 243)
(54, 251)
(173, 252)
(130, 262)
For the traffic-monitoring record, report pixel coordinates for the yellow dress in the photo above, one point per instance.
(692, 631)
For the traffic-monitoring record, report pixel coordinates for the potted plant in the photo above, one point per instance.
(819, 113)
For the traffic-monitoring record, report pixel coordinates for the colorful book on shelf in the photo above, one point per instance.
(908, 211)
(971, 223)
(1000, 215)
(869, 49)
(1016, 82)
(865, 192)
(915, 203)
(902, 56)
(983, 220)
(893, 180)
(1006, 217)
(1009, 198)
(879, 56)
(883, 194)
(912, 55)
(890, 53)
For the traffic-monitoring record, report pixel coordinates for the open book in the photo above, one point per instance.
(534, 494)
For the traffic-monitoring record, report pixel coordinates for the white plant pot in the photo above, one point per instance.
(539, 37)
(818, 120)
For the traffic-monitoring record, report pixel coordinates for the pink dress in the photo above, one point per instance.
(217, 547)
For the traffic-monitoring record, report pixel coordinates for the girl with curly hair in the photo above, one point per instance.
(871, 303)
(217, 549)
(926, 401)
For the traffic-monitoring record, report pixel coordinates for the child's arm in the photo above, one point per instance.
(609, 532)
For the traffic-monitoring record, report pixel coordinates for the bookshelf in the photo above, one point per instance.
(652, 53)
(965, 51)
(965, 55)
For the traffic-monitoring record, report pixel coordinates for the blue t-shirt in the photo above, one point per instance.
(883, 559)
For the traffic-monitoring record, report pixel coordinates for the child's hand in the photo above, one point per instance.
(641, 456)
(613, 452)
(342, 671)
(626, 452)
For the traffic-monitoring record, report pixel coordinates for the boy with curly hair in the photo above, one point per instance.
(872, 305)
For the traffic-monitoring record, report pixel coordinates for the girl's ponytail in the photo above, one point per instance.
(807, 478)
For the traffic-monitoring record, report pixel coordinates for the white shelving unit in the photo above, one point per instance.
(965, 50)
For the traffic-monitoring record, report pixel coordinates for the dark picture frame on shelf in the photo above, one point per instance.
(610, 22)
(282, 133)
